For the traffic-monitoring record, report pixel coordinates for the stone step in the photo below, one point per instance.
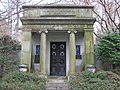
(57, 84)
(57, 80)
(57, 88)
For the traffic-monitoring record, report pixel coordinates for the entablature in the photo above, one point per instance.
(57, 27)
(58, 11)
(57, 21)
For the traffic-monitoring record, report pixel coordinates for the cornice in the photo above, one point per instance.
(52, 21)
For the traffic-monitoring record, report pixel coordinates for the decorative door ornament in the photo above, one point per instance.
(54, 53)
(61, 53)
(62, 46)
(54, 46)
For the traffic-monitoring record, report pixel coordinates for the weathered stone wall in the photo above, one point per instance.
(57, 17)
(78, 12)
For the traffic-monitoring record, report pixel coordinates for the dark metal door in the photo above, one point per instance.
(58, 58)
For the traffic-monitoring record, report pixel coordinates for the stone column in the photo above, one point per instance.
(89, 47)
(43, 52)
(72, 48)
(26, 49)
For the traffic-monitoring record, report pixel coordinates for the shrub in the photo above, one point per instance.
(8, 55)
(101, 80)
(108, 49)
(22, 81)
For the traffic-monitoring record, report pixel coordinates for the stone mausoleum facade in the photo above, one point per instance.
(57, 39)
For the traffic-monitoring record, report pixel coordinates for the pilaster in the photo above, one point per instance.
(89, 47)
(26, 49)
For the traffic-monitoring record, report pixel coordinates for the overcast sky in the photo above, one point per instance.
(46, 2)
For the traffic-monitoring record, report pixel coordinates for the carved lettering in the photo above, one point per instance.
(58, 12)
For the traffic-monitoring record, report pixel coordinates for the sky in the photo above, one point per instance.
(46, 2)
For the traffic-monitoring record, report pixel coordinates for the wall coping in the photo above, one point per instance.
(57, 6)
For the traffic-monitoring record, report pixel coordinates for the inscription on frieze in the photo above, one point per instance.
(58, 12)
(78, 13)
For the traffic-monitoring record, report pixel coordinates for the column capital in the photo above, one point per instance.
(72, 31)
(43, 31)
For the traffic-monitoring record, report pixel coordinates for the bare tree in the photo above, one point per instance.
(110, 15)
(107, 13)
(11, 11)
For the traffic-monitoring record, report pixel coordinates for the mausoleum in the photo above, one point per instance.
(57, 39)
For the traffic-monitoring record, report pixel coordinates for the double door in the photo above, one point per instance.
(58, 58)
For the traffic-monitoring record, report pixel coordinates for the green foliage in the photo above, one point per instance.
(101, 75)
(8, 54)
(101, 80)
(108, 49)
(22, 81)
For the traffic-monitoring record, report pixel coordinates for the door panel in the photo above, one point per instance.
(58, 58)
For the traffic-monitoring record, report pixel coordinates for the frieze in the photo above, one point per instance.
(58, 12)
(57, 27)
(78, 13)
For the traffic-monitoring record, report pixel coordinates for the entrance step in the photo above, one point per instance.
(57, 83)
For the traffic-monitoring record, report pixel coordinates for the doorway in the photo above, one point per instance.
(57, 58)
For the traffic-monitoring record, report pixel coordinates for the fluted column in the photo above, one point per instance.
(43, 52)
(72, 48)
